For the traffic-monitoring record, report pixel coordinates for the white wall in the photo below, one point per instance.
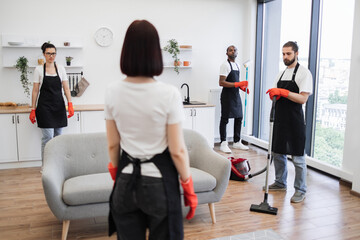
(351, 160)
(208, 25)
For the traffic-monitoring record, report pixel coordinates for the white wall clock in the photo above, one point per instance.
(104, 36)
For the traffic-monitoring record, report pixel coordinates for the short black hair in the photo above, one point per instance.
(230, 47)
(47, 45)
(141, 52)
(293, 45)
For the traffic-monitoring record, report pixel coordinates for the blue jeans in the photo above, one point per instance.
(280, 163)
(48, 134)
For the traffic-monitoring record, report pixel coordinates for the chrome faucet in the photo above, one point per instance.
(187, 99)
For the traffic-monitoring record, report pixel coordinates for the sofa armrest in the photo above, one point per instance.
(206, 159)
(53, 177)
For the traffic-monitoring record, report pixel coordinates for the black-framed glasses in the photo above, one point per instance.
(50, 54)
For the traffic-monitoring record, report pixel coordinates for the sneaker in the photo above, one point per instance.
(298, 197)
(275, 187)
(239, 145)
(224, 147)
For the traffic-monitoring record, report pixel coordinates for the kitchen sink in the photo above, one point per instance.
(194, 103)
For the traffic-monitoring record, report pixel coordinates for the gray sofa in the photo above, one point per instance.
(77, 184)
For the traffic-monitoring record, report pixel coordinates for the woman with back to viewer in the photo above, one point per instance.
(47, 102)
(143, 123)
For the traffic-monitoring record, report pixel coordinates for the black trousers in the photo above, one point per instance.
(237, 128)
(135, 210)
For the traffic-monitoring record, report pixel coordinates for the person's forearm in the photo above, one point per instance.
(181, 161)
(67, 94)
(34, 97)
(114, 154)
(300, 98)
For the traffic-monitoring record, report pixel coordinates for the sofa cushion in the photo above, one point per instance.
(203, 181)
(92, 188)
(96, 188)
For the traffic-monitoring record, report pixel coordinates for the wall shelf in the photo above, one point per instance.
(15, 46)
(184, 55)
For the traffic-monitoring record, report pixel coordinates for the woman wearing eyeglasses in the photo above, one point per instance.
(48, 106)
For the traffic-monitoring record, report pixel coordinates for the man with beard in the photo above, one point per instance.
(292, 89)
(231, 106)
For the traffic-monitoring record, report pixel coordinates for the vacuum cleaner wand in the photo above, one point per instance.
(264, 207)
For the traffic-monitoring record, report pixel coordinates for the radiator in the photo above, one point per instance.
(214, 99)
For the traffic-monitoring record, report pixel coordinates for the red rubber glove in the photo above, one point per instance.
(190, 197)
(70, 110)
(112, 171)
(278, 92)
(32, 116)
(242, 85)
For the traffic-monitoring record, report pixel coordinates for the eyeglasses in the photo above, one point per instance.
(50, 54)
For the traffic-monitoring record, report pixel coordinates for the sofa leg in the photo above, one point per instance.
(65, 229)
(212, 212)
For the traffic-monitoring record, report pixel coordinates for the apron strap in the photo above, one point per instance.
(136, 174)
(294, 73)
(231, 65)
(57, 73)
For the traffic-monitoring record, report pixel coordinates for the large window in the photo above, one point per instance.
(284, 21)
(323, 30)
(333, 80)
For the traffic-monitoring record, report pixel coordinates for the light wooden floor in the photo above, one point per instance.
(328, 212)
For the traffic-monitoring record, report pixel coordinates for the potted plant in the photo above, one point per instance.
(173, 48)
(68, 60)
(23, 67)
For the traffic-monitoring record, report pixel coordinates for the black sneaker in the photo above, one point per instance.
(274, 187)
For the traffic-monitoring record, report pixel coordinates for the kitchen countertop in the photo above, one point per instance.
(82, 107)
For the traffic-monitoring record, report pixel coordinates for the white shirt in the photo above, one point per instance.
(303, 78)
(141, 113)
(39, 74)
(225, 68)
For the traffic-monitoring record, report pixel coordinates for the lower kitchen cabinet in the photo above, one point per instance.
(86, 122)
(74, 124)
(20, 139)
(202, 120)
(93, 121)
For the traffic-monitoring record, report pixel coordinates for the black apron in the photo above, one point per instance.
(170, 178)
(50, 110)
(231, 106)
(289, 124)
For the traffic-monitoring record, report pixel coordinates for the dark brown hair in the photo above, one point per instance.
(47, 45)
(293, 45)
(141, 52)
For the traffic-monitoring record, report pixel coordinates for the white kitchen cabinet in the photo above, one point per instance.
(8, 146)
(20, 140)
(202, 120)
(28, 138)
(92, 121)
(85, 122)
(74, 124)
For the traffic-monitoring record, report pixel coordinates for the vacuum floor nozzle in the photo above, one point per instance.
(264, 207)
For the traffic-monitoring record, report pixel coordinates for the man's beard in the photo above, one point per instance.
(289, 62)
(232, 57)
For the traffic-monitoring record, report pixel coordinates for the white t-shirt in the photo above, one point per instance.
(141, 113)
(225, 68)
(39, 74)
(303, 78)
